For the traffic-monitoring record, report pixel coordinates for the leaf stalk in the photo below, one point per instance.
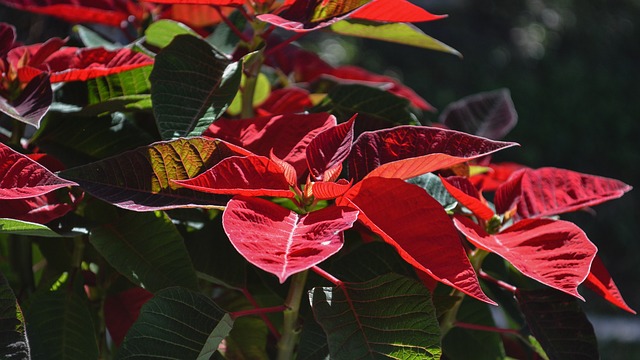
(291, 327)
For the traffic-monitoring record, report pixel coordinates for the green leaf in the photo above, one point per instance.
(13, 339)
(147, 249)
(433, 185)
(344, 101)
(369, 261)
(192, 84)
(248, 339)
(401, 33)
(120, 85)
(176, 324)
(160, 33)
(19, 227)
(390, 316)
(223, 38)
(60, 326)
(92, 39)
(140, 179)
(262, 91)
(559, 324)
(128, 103)
(313, 342)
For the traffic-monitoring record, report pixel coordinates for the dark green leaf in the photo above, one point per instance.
(559, 324)
(92, 39)
(369, 261)
(344, 101)
(191, 86)
(433, 185)
(223, 38)
(13, 339)
(248, 339)
(133, 82)
(313, 342)
(176, 324)
(60, 326)
(390, 316)
(147, 249)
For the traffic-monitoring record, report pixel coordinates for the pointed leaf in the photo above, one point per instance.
(121, 311)
(61, 327)
(32, 103)
(393, 11)
(408, 151)
(188, 78)
(286, 135)
(140, 179)
(7, 38)
(21, 177)
(418, 227)
(304, 16)
(285, 101)
(559, 324)
(551, 191)
(401, 33)
(390, 316)
(147, 249)
(601, 282)
(432, 184)
(11, 226)
(281, 242)
(344, 101)
(496, 175)
(250, 176)
(330, 148)
(108, 12)
(38, 209)
(178, 324)
(13, 337)
(554, 252)
(325, 190)
(471, 202)
(160, 33)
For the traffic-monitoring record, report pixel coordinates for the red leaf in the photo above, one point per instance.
(201, 2)
(287, 135)
(325, 190)
(7, 38)
(552, 191)
(285, 101)
(554, 252)
(32, 103)
(330, 148)
(312, 15)
(39, 209)
(471, 202)
(108, 12)
(601, 282)
(406, 217)
(408, 151)
(21, 177)
(121, 310)
(393, 11)
(498, 174)
(281, 242)
(250, 176)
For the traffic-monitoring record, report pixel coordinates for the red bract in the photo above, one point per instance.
(121, 311)
(601, 282)
(280, 241)
(496, 175)
(329, 149)
(470, 198)
(552, 191)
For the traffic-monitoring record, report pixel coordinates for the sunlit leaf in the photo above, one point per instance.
(470, 198)
(330, 148)
(280, 241)
(160, 33)
(390, 316)
(394, 11)
(600, 281)
(13, 337)
(12, 226)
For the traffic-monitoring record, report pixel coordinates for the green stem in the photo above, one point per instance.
(17, 132)
(291, 326)
(248, 93)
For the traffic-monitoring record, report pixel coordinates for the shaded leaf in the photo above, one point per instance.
(305, 16)
(430, 245)
(92, 39)
(370, 260)
(432, 184)
(554, 252)
(11, 226)
(488, 114)
(281, 242)
(389, 316)
(147, 249)
(121, 311)
(176, 323)
(249, 175)
(601, 282)
(551, 191)
(401, 33)
(408, 151)
(38, 209)
(313, 342)
(32, 103)
(285, 101)
(187, 80)
(344, 101)
(61, 327)
(13, 337)
(21, 177)
(559, 324)
(139, 180)
(330, 148)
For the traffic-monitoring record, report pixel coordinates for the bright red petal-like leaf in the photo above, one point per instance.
(250, 176)
(287, 135)
(408, 151)
(406, 217)
(498, 173)
(551, 191)
(200, 2)
(470, 201)
(286, 168)
(330, 148)
(554, 252)
(601, 282)
(312, 15)
(108, 12)
(32, 103)
(121, 311)
(393, 11)
(285, 101)
(21, 177)
(280, 241)
(39, 209)
(325, 190)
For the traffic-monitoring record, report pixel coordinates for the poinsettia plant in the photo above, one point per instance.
(212, 189)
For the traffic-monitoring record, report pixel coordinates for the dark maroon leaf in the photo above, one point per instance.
(39, 209)
(7, 38)
(489, 114)
(330, 148)
(32, 103)
(551, 191)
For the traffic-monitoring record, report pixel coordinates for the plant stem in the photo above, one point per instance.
(17, 133)
(332, 279)
(486, 328)
(504, 285)
(258, 311)
(291, 327)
